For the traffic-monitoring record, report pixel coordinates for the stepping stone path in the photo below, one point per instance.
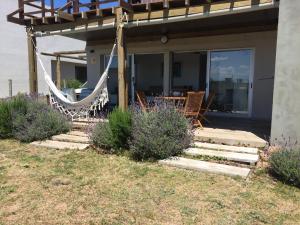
(76, 139)
(203, 166)
(229, 137)
(225, 145)
(242, 157)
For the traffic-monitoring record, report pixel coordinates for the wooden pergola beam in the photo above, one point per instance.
(32, 63)
(58, 72)
(83, 58)
(121, 46)
(66, 16)
(70, 52)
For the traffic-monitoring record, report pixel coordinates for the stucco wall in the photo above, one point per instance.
(286, 103)
(67, 69)
(13, 52)
(264, 44)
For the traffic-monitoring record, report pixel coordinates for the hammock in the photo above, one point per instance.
(96, 100)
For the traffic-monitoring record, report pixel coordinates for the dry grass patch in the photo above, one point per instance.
(42, 186)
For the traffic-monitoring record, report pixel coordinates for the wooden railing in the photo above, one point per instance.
(37, 9)
(69, 10)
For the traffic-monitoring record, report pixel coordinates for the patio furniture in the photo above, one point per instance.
(178, 101)
(193, 106)
(206, 107)
(142, 100)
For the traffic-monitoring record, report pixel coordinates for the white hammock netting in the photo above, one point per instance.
(83, 108)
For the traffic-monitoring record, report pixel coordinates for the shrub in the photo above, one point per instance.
(102, 137)
(8, 107)
(159, 134)
(116, 133)
(286, 165)
(38, 122)
(120, 126)
(73, 83)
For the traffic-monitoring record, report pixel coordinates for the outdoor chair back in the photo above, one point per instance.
(142, 100)
(193, 106)
(206, 107)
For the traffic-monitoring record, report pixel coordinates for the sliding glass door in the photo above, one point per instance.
(230, 78)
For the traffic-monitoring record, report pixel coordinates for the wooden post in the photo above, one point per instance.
(168, 62)
(76, 6)
(33, 81)
(43, 8)
(52, 7)
(122, 81)
(10, 88)
(58, 72)
(21, 7)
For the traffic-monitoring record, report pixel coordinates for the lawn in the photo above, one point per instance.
(41, 186)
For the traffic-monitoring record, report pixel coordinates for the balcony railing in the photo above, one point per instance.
(59, 11)
(37, 9)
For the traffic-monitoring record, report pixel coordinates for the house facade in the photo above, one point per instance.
(242, 50)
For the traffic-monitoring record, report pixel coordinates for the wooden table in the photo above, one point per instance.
(179, 101)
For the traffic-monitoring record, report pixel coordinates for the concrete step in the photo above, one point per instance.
(78, 133)
(203, 166)
(228, 148)
(60, 145)
(71, 138)
(80, 125)
(229, 137)
(233, 156)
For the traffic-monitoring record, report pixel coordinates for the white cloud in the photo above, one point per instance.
(244, 67)
(219, 58)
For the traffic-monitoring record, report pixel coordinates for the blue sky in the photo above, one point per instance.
(59, 3)
(62, 2)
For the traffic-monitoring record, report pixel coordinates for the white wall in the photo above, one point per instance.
(67, 69)
(264, 44)
(13, 52)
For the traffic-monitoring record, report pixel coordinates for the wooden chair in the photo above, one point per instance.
(193, 106)
(206, 107)
(142, 100)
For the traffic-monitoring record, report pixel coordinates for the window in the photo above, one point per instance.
(229, 78)
(81, 73)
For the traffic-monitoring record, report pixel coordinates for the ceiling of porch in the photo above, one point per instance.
(225, 24)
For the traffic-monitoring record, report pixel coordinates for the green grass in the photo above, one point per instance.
(42, 186)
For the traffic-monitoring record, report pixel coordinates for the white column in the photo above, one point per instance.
(168, 61)
(286, 98)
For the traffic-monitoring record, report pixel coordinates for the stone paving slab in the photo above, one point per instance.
(233, 156)
(78, 133)
(80, 125)
(60, 145)
(229, 137)
(71, 138)
(203, 166)
(229, 148)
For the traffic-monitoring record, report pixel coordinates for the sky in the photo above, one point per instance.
(62, 2)
(58, 3)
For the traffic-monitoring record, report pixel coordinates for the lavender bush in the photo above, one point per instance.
(27, 119)
(285, 164)
(160, 133)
